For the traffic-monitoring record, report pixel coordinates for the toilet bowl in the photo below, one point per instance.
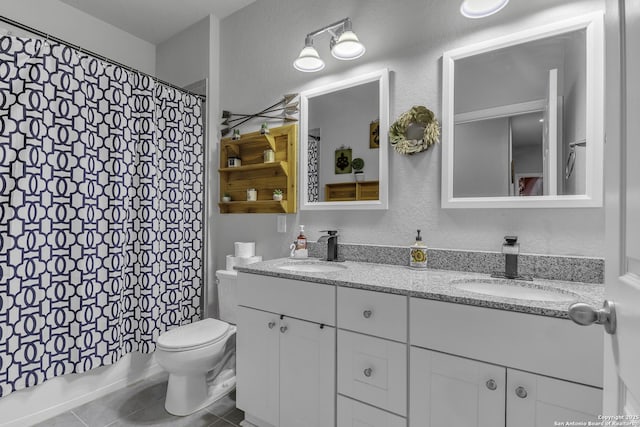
(200, 357)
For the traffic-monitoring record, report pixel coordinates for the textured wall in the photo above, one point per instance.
(258, 45)
(74, 26)
(184, 58)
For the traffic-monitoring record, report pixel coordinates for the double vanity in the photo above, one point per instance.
(351, 343)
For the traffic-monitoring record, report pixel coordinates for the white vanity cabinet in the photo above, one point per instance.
(372, 358)
(285, 359)
(452, 384)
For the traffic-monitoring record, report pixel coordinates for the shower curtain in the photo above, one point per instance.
(101, 175)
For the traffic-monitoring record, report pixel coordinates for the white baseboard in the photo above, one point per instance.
(58, 395)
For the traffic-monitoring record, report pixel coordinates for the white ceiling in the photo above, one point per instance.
(156, 20)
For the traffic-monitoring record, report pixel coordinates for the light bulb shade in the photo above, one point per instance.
(475, 9)
(308, 61)
(347, 46)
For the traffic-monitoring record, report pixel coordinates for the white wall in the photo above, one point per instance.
(70, 24)
(343, 119)
(509, 76)
(481, 157)
(184, 58)
(258, 45)
(575, 114)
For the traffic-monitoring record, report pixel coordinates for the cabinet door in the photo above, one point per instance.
(538, 401)
(257, 364)
(449, 391)
(307, 374)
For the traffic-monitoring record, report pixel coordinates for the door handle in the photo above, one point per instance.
(583, 314)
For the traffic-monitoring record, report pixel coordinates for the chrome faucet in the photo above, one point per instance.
(510, 249)
(332, 244)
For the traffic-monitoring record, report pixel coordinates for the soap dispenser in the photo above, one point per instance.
(418, 253)
(301, 240)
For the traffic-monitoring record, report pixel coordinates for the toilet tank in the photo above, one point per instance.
(227, 295)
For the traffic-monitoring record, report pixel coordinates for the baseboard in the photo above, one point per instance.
(105, 382)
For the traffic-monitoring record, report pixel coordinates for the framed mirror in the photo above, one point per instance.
(343, 144)
(523, 119)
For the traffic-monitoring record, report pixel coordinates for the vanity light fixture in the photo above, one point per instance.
(475, 9)
(344, 45)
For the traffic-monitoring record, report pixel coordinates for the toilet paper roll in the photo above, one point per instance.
(245, 249)
(232, 261)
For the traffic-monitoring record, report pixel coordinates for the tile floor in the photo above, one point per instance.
(142, 404)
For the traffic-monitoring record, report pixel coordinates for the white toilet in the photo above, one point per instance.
(200, 356)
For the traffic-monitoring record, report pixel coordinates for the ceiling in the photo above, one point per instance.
(156, 20)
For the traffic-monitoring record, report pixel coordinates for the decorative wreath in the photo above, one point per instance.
(420, 116)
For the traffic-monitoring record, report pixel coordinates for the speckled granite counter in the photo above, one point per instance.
(436, 285)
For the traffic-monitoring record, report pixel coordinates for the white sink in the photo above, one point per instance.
(315, 267)
(515, 290)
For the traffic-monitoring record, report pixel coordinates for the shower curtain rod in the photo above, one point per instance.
(88, 52)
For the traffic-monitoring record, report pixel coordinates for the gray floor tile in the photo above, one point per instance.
(234, 416)
(223, 405)
(68, 419)
(155, 415)
(113, 406)
(223, 423)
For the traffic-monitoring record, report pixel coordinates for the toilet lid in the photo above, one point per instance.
(194, 335)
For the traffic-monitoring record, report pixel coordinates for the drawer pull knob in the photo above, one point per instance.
(271, 324)
(283, 329)
(521, 392)
(368, 372)
(367, 314)
(491, 385)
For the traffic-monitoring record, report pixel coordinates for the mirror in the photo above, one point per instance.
(523, 121)
(343, 144)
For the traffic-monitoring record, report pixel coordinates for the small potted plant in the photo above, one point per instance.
(226, 198)
(358, 164)
(277, 194)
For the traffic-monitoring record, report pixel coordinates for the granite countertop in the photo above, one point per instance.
(438, 285)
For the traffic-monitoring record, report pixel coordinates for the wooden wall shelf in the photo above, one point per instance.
(348, 191)
(254, 173)
(259, 206)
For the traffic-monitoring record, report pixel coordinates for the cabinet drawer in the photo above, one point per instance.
(304, 300)
(352, 413)
(375, 313)
(509, 339)
(373, 370)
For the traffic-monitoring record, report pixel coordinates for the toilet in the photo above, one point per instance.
(200, 356)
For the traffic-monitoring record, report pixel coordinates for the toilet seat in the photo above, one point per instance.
(193, 336)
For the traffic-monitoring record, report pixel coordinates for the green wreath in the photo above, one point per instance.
(422, 117)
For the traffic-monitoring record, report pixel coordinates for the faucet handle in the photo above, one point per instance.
(511, 240)
(330, 232)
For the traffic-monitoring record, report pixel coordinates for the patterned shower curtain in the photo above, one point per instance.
(101, 175)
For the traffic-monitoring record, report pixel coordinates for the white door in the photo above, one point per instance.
(550, 137)
(307, 374)
(622, 350)
(257, 364)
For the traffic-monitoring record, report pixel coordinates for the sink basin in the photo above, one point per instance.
(315, 267)
(515, 290)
